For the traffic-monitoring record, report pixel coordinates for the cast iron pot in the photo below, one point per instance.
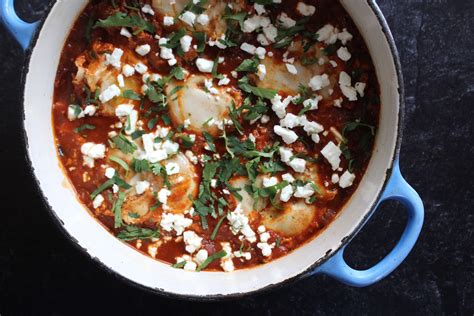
(43, 42)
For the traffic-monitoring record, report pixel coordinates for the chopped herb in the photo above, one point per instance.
(137, 134)
(132, 95)
(124, 144)
(210, 141)
(218, 226)
(259, 92)
(201, 38)
(133, 233)
(120, 162)
(84, 127)
(177, 72)
(187, 141)
(248, 65)
(121, 19)
(117, 210)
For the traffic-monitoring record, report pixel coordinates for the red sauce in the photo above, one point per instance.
(85, 180)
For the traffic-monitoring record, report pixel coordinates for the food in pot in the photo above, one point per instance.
(215, 135)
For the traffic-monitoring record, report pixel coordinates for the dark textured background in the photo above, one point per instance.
(42, 273)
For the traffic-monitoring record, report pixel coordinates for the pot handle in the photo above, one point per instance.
(397, 189)
(21, 30)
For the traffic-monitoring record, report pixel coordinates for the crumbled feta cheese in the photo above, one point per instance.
(240, 224)
(261, 52)
(90, 110)
(203, 19)
(332, 153)
(92, 151)
(201, 256)
(271, 32)
(204, 65)
(142, 186)
(345, 84)
(110, 173)
(327, 34)
(224, 81)
(188, 17)
(265, 119)
(286, 193)
(172, 168)
(286, 21)
(168, 21)
(123, 110)
(143, 50)
(170, 147)
(343, 53)
(128, 70)
(114, 59)
(190, 266)
(255, 22)
(248, 48)
(288, 178)
(74, 112)
(131, 122)
(279, 106)
(186, 41)
(176, 222)
(288, 136)
(298, 165)
(285, 154)
(148, 9)
(360, 87)
(270, 182)
(261, 229)
(121, 81)
(192, 241)
(304, 191)
(335, 178)
(259, 8)
(141, 68)
(304, 9)
(261, 71)
(98, 200)
(319, 82)
(192, 157)
(109, 93)
(210, 87)
(311, 104)
(290, 121)
(291, 69)
(125, 32)
(344, 36)
(266, 249)
(227, 265)
(346, 180)
(163, 195)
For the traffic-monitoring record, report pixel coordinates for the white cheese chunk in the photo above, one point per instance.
(141, 187)
(188, 17)
(298, 165)
(109, 93)
(185, 42)
(192, 241)
(288, 136)
(346, 180)
(143, 50)
(332, 153)
(304, 9)
(98, 200)
(319, 82)
(168, 20)
(204, 65)
(343, 54)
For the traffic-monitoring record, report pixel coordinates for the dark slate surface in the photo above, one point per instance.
(41, 273)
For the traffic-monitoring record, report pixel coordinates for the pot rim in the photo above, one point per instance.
(216, 297)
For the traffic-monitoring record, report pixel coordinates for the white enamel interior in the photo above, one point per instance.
(150, 273)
